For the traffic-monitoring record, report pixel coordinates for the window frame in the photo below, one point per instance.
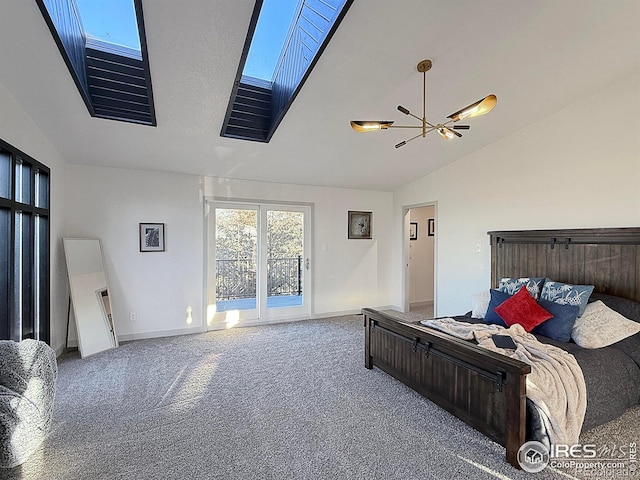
(78, 67)
(29, 315)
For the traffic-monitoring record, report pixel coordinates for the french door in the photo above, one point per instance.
(259, 265)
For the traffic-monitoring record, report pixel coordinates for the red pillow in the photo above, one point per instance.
(523, 309)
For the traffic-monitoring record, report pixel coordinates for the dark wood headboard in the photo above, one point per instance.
(608, 258)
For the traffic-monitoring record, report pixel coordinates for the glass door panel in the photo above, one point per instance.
(262, 269)
(236, 257)
(285, 259)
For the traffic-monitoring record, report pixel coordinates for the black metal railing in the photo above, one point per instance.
(236, 279)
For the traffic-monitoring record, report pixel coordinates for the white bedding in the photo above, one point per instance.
(555, 385)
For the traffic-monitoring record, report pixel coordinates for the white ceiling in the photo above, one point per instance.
(537, 56)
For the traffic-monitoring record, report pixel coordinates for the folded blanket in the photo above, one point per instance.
(555, 385)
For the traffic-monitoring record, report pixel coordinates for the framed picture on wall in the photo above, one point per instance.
(152, 237)
(431, 227)
(413, 231)
(359, 225)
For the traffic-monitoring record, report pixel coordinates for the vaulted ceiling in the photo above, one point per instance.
(537, 56)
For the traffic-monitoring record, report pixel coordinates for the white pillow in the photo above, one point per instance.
(480, 304)
(600, 326)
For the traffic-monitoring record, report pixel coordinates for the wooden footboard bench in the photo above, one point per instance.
(484, 389)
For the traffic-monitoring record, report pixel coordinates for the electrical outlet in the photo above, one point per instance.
(478, 248)
(133, 316)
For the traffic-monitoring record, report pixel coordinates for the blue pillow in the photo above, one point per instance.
(567, 294)
(497, 298)
(560, 325)
(512, 285)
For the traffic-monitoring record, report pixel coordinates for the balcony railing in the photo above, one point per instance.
(236, 279)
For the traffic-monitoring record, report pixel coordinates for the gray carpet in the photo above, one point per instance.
(288, 401)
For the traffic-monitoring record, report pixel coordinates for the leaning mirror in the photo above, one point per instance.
(89, 295)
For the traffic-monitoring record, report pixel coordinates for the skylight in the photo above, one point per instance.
(103, 44)
(111, 21)
(274, 23)
(284, 41)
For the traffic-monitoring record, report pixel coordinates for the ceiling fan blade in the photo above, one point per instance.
(461, 127)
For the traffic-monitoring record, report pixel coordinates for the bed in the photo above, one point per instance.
(487, 390)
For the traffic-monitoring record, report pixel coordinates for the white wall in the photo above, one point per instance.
(108, 204)
(578, 168)
(347, 274)
(17, 129)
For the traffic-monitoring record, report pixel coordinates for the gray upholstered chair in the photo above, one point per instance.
(28, 373)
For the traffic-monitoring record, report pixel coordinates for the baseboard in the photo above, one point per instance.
(60, 350)
(426, 303)
(157, 334)
(393, 307)
(249, 323)
(335, 314)
(259, 322)
(350, 312)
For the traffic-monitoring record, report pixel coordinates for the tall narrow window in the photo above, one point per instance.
(24, 246)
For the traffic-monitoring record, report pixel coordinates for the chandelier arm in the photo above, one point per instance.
(419, 135)
(422, 120)
(404, 142)
(412, 138)
(414, 116)
(404, 126)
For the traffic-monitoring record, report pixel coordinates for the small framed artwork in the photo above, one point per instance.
(413, 231)
(431, 227)
(152, 237)
(359, 225)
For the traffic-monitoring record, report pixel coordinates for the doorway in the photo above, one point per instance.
(259, 265)
(419, 254)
